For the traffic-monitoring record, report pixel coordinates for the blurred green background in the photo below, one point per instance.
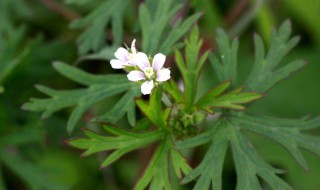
(33, 33)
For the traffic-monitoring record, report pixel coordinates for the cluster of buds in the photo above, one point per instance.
(143, 69)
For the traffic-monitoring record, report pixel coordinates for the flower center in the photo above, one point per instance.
(131, 56)
(149, 72)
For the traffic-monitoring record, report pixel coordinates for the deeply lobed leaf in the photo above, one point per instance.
(99, 88)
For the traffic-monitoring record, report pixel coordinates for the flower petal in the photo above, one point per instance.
(116, 64)
(122, 54)
(136, 76)
(147, 87)
(133, 46)
(141, 59)
(158, 61)
(163, 75)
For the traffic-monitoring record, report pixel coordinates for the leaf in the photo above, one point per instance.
(94, 36)
(99, 88)
(124, 106)
(209, 170)
(231, 100)
(286, 132)
(265, 72)
(172, 88)
(156, 34)
(153, 109)
(179, 163)
(249, 165)
(122, 142)
(156, 173)
(225, 65)
(191, 67)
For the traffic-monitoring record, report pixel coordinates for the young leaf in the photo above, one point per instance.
(99, 87)
(231, 100)
(225, 65)
(153, 109)
(286, 132)
(93, 37)
(172, 88)
(190, 69)
(265, 72)
(122, 142)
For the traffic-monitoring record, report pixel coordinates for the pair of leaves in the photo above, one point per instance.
(99, 88)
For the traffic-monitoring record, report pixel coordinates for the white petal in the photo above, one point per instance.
(136, 76)
(133, 46)
(163, 75)
(158, 61)
(146, 87)
(141, 59)
(116, 64)
(122, 54)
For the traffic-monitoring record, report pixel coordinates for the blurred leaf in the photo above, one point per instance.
(20, 137)
(99, 87)
(122, 142)
(306, 12)
(154, 24)
(172, 88)
(231, 100)
(32, 175)
(93, 37)
(265, 73)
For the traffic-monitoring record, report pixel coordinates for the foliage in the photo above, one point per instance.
(176, 119)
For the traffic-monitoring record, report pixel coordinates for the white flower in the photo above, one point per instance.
(150, 74)
(124, 57)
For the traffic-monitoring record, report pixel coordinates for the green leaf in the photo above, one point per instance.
(123, 106)
(225, 65)
(153, 109)
(191, 67)
(122, 142)
(156, 34)
(286, 132)
(179, 163)
(209, 170)
(94, 36)
(99, 88)
(156, 173)
(231, 100)
(265, 72)
(249, 165)
(172, 88)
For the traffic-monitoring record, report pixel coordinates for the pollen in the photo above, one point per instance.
(149, 72)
